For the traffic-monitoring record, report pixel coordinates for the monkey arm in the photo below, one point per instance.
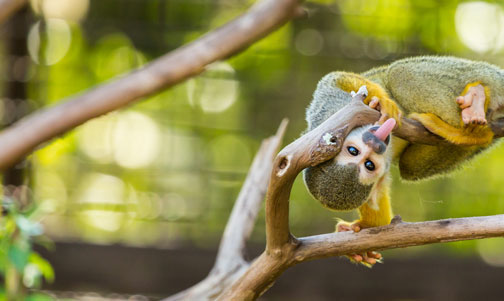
(377, 97)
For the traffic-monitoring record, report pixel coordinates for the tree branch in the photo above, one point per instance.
(230, 264)
(399, 234)
(9, 7)
(284, 250)
(242, 219)
(168, 70)
(266, 269)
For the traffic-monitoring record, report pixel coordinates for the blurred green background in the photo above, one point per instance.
(164, 172)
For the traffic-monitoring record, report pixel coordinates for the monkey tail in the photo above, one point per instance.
(468, 135)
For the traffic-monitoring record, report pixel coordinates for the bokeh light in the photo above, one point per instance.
(74, 10)
(136, 140)
(95, 138)
(215, 90)
(490, 251)
(58, 36)
(104, 189)
(480, 26)
(309, 42)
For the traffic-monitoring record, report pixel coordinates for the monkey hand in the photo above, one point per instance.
(387, 107)
(368, 259)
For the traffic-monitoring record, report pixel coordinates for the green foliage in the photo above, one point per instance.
(20, 265)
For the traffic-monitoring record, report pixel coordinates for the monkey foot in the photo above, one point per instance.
(368, 259)
(473, 106)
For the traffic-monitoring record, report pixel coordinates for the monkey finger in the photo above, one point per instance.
(374, 103)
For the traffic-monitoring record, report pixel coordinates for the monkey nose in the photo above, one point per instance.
(385, 129)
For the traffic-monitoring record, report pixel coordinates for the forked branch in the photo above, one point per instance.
(283, 250)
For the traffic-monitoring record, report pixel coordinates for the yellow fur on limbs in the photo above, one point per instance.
(472, 134)
(352, 82)
(378, 212)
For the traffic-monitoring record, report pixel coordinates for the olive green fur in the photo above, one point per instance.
(347, 194)
(427, 84)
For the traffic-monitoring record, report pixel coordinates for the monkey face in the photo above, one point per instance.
(366, 148)
(345, 182)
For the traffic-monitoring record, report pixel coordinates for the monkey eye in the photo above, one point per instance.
(369, 165)
(353, 151)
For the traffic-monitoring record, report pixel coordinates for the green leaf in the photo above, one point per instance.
(18, 256)
(43, 265)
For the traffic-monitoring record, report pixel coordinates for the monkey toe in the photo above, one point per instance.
(473, 115)
(464, 101)
(478, 120)
(367, 259)
(343, 227)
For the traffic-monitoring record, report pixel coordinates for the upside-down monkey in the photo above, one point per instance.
(453, 98)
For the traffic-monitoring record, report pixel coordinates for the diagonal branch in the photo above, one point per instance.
(9, 7)
(242, 219)
(230, 264)
(261, 19)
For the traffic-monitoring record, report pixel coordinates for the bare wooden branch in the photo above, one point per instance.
(242, 219)
(9, 7)
(399, 235)
(283, 250)
(266, 269)
(316, 146)
(230, 264)
(168, 70)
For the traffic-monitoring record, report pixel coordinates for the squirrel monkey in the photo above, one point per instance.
(451, 97)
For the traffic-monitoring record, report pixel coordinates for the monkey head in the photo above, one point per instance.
(345, 182)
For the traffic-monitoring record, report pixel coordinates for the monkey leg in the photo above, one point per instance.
(375, 212)
(473, 104)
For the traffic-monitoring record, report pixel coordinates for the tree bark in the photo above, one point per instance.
(283, 250)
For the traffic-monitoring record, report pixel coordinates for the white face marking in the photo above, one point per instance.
(364, 154)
